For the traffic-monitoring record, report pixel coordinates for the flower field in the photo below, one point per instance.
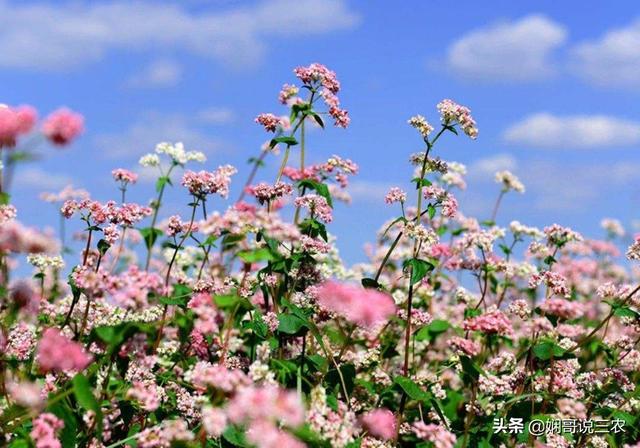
(238, 324)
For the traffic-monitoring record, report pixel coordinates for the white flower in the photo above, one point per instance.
(44, 261)
(509, 181)
(149, 160)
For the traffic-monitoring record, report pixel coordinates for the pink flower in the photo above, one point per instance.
(124, 176)
(395, 194)
(493, 322)
(562, 308)
(148, 394)
(452, 112)
(464, 346)
(436, 434)
(204, 183)
(44, 431)
(365, 307)
(15, 122)
(270, 122)
(62, 126)
(317, 206)
(266, 403)
(57, 352)
(380, 423)
(214, 421)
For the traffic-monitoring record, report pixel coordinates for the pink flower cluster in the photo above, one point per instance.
(126, 215)
(452, 112)
(395, 194)
(204, 183)
(493, 322)
(270, 122)
(554, 281)
(15, 122)
(62, 126)
(44, 430)
(365, 307)
(316, 74)
(380, 423)
(267, 193)
(58, 353)
(317, 205)
(124, 176)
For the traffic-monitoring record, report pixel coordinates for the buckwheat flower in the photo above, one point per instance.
(265, 192)
(613, 227)
(365, 307)
(419, 123)
(43, 262)
(62, 126)
(419, 232)
(124, 176)
(340, 117)
(214, 421)
(452, 113)
(7, 213)
(313, 245)
(318, 73)
(21, 342)
(562, 308)
(633, 252)
(149, 160)
(395, 194)
(559, 236)
(449, 206)
(436, 434)
(111, 234)
(520, 308)
(317, 205)
(266, 403)
(492, 322)
(380, 423)
(196, 156)
(204, 183)
(454, 179)
(463, 346)
(57, 352)
(520, 229)
(270, 122)
(557, 283)
(287, 93)
(509, 181)
(148, 394)
(15, 122)
(44, 431)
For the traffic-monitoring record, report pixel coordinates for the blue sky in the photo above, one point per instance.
(554, 93)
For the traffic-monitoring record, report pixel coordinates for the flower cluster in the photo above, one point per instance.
(237, 323)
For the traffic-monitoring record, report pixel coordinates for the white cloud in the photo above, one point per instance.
(40, 179)
(160, 73)
(65, 35)
(143, 135)
(217, 115)
(544, 130)
(613, 60)
(484, 169)
(517, 51)
(368, 191)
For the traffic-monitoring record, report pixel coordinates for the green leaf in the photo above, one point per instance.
(418, 268)
(172, 300)
(370, 283)
(254, 256)
(470, 368)
(289, 141)
(227, 301)
(162, 182)
(431, 210)
(291, 324)
(150, 235)
(414, 391)
(234, 436)
(84, 395)
(546, 349)
(421, 182)
(103, 247)
(431, 331)
(4, 198)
